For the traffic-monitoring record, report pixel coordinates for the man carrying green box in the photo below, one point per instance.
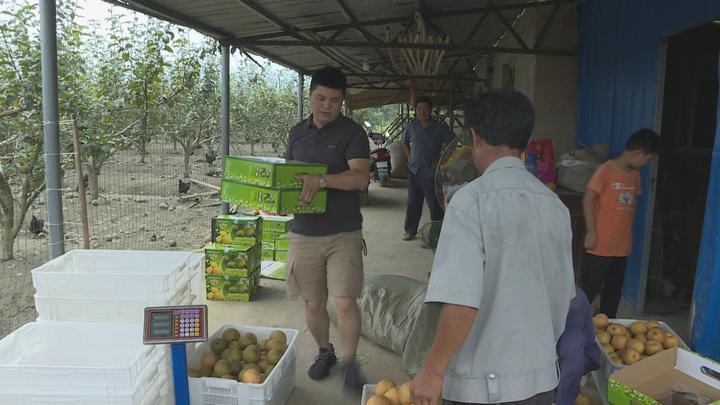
(325, 256)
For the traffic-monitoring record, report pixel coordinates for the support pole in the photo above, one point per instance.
(180, 373)
(300, 96)
(81, 186)
(225, 109)
(51, 130)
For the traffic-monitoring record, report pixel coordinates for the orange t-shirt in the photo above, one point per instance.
(615, 205)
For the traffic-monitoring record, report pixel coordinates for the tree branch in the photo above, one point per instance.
(11, 112)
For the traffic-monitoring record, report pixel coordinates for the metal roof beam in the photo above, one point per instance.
(363, 87)
(162, 12)
(511, 30)
(367, 35)
(395, 45)
(435, 14)
(262, 12)
(476, 28)
(545, 27)
(385, 77)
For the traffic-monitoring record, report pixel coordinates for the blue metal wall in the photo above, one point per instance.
(620, 44)
(705, 329)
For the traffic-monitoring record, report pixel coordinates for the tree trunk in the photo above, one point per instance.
(252, 147)
(187, 151)
(93, 170)
(7, 208)
(6, 238)
(143, 140)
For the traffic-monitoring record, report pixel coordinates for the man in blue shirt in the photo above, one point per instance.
(423, 141)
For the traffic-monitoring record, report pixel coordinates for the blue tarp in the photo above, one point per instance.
(618, 59)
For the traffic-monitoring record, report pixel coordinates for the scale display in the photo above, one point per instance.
(175, 324)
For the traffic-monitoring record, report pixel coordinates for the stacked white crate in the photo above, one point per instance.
(80, 363)
(94, 289)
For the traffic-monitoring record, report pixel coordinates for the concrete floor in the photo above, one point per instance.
(387, 254)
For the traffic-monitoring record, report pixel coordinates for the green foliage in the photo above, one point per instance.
(263, 108)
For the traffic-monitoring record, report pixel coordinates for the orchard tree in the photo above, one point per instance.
(22, 170)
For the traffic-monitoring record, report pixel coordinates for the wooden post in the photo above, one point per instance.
(81, 186)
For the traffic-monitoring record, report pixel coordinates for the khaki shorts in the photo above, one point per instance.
(322, 266)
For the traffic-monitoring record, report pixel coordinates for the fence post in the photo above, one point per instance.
(51, 130)
(225, 110)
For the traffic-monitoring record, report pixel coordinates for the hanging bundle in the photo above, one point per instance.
(418, 62)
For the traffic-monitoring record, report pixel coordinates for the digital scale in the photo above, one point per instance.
(176, 326)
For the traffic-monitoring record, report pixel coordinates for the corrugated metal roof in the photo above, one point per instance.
(307, 34)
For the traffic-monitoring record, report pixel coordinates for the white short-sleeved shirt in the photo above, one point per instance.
(505, 249)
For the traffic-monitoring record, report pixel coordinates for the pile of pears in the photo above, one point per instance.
(387, 393)
(241, 357)
(628, 345)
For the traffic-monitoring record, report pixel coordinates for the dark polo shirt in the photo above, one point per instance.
(333, 144)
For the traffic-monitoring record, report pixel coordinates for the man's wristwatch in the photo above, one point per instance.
(322, 181)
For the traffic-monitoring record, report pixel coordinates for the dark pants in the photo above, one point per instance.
(545, 398)
(606, 275)
(420, 189)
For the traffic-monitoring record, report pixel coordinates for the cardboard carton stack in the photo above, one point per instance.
(232, 262)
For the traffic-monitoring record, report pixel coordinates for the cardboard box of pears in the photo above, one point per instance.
(269, 184)
(233, 259)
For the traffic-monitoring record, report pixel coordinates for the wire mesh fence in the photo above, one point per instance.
(141, 204)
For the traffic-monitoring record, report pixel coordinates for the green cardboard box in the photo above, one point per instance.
(271, 200)
(281, 256)
(268, 251)
(269, 172)
(237, 229)
(232, 260)
(273, 270)
(269, 237)
(282, 242)
(227, 288)
(660, 378)
(273, 224)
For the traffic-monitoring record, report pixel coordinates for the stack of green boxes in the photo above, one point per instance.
(232, 262)
(269, 184)
(275, 242)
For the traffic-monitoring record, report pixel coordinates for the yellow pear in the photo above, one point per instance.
(405, 394)
(384, 386)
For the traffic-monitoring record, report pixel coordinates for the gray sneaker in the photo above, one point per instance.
(409, 236)
(324, 361)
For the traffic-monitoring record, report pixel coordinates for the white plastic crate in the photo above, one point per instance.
(367, 393)
(275, 390)
(607, 367)
(60, 357)
(152, 392)
(108, 310)
(121, 273)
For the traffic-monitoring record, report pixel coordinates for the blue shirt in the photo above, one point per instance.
(426, 146)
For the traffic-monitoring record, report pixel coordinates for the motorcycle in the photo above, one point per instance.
(380, 166)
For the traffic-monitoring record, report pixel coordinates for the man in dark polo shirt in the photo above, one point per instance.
(423, 141)
(325, 257)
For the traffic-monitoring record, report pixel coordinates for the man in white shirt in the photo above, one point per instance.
(502, 271)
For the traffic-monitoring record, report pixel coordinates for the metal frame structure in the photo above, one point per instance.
(328, 41)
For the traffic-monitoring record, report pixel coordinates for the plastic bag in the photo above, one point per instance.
(395, 317)
(388, 305)
(398, 161)
(546, 171)
(576, 168)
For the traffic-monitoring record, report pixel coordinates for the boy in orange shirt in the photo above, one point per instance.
(609, 208)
